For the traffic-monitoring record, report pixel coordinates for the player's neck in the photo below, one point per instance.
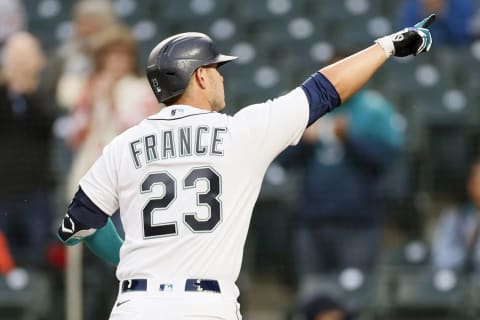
(196, 103)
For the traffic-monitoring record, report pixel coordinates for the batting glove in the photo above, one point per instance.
(413, 40)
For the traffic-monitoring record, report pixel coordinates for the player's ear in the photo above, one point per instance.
(200, 77)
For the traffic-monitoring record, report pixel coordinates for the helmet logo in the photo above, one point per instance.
(156, 86)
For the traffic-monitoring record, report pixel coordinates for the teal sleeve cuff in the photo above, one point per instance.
(69, 242)
(105, 243)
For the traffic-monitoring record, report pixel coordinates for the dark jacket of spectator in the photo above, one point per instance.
(25, 137)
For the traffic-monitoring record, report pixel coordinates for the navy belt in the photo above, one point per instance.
(202, 285)
(134, 285)
(197, 285)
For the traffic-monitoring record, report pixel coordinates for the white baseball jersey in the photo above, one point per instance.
(186, 181)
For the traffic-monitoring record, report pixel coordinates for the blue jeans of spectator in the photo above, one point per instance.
(27, 223)
(333, 247)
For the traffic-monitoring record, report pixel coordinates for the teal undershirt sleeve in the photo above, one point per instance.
(105, 243)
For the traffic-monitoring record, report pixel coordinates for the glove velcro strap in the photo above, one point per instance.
(387, 45)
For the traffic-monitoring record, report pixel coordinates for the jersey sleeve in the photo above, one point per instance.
(274, 125)
(100, 181)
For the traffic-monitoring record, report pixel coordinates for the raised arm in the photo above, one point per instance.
(350, 74)
(335, 83)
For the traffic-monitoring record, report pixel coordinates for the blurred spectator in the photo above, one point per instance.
(113, 98)
(454, 18)
(347, 153)
(323, 307)
(456, 235)
(25, 136)
(107, 106)
(12, 18)
(72, 63)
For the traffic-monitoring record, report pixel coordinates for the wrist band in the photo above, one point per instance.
(387, 45)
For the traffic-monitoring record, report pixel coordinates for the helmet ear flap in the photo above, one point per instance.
(173, 61)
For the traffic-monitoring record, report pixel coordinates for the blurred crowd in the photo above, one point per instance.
(59, 107)
(70, 102)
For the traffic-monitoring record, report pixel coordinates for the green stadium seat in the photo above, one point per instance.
(421, 292)
(187, 10)
(349, 33)
(30, 303)
(389, 9)
(446, 106)
(398, 76)
(150, 8)
(474, 296)
(361, 298)
(193, 25)
(266, 35)
(327, 9)
(251, 11)
(448, 152)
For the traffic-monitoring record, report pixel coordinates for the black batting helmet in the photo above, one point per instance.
(172, 62)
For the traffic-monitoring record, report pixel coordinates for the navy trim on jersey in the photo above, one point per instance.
(188, 115)
(86, 212)
(322, 96)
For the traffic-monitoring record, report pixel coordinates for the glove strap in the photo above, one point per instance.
(387, 45)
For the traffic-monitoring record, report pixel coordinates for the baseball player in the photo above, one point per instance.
(186, 179)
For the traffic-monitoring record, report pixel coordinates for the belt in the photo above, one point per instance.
(197, 285)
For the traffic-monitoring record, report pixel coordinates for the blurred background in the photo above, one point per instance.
(375, 215)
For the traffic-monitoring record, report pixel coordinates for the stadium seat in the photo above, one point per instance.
(355, 288)
(421, 292)
(328, 9)
(474, 296)
(414, 253)
(253, 82)
(149, 8)
(349, 33)
(267, 35)
(398, 76)
(448, 152)
(30, 303)
(252, 11)
(188, 10)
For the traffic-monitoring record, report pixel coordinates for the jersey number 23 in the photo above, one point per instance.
(208, 198)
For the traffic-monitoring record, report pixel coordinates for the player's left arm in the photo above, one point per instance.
(345, 77)
(84, 221)
(276, 124)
